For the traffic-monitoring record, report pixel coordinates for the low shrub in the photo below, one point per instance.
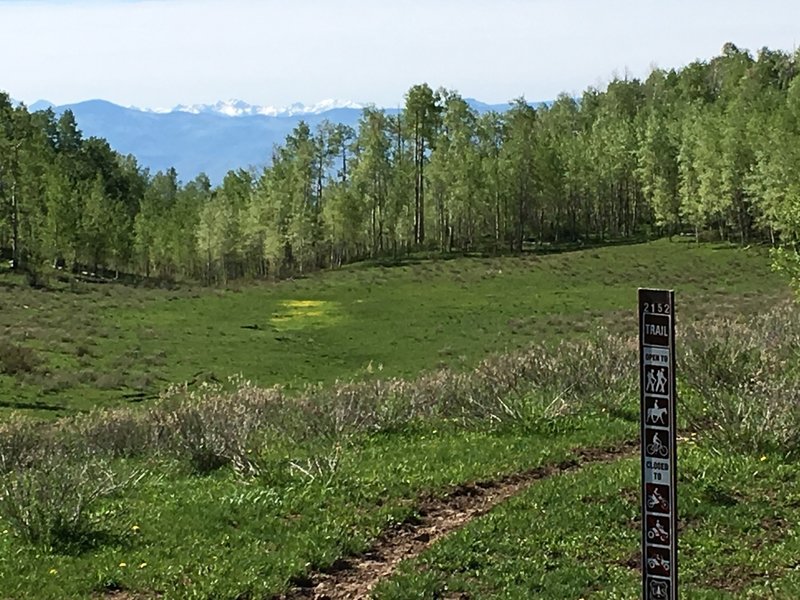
(16, 359)
(212, 429)
(23, 443)
(743, 381)
(112, 433)
(112, 380)
(740, 387)
(216, 425)
(52, 505)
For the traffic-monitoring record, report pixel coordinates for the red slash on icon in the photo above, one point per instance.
(657, 497)
(658, 530)
(658, 561)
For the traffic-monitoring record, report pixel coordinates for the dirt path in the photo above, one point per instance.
(355, 577)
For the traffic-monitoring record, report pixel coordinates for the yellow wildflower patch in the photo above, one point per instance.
(299, 314)
(303, 303)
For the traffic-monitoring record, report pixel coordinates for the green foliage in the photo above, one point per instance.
(294, 479)
(787, 262)
(253, 488)
(312, 503)
(712, 146)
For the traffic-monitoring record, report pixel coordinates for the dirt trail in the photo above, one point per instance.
(354, 577)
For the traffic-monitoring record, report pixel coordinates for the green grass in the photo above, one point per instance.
(108, 345)
(217, 537)
(578, 536)
(573, 535)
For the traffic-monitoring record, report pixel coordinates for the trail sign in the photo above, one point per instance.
(658, 445)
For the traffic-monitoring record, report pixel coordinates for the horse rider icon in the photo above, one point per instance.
(656, 414)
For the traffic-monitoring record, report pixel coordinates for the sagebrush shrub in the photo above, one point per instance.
(218, 425)
(743, 381)
(113, 433)
(212, 428)
(23, 443)
(51, 505)
(16, 359)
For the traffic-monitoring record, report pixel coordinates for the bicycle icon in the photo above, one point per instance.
(657, 447)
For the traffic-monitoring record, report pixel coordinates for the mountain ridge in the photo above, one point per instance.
(208, 138)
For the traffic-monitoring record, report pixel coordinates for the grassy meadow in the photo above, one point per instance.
(107, 345)
(430, 378)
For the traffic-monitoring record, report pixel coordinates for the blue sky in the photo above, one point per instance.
(158, 53)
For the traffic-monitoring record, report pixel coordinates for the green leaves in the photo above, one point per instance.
(712, 146)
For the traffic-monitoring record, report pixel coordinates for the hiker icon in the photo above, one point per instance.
(656, 381)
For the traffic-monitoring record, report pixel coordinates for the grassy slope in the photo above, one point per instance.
(578, 536)
(215, 537)
(110, 344)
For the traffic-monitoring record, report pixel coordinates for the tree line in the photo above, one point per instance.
(713, 146)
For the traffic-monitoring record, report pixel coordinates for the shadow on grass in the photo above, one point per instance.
(75, 544)
(530, 248)
(135, 397)
(31, 405)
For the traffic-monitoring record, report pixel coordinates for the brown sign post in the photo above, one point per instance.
(658, 445)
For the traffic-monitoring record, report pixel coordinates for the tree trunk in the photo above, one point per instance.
(416, 184)
(421, 195)
(15, 253)
(15, 249)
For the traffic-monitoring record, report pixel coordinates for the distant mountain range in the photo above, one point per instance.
(239, 108)
(208, 138)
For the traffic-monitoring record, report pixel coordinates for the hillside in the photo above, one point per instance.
(393, 320)
(511, 475)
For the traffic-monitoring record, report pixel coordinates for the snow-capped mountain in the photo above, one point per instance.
(208, 138)
(240, 108)
(211, 139)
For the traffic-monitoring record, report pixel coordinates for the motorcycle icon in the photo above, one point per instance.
(658, 561)
(658, 533)
(657, 500)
